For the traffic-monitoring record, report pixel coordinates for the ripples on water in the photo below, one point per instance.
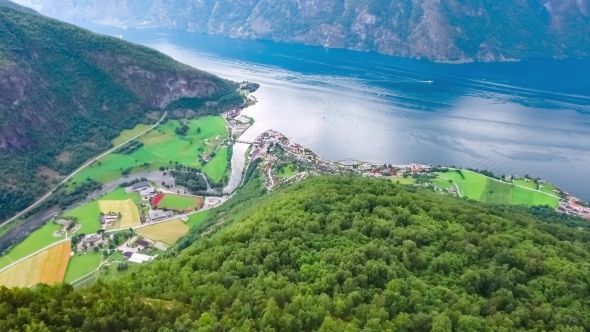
(531, 117)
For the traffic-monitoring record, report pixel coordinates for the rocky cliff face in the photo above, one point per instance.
(453, 30)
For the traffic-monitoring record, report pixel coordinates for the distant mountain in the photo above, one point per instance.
(467, 30)
(66, 92)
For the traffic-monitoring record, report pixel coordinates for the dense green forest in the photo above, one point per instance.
(66, 92)
(340, 254)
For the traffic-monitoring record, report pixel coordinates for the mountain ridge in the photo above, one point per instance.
(450, 31)
(66, 92)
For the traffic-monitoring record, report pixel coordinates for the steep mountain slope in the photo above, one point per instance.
(65, 92)
(455, 30)
(341, 254)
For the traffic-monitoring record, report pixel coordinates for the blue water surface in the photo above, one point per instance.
(530, 117)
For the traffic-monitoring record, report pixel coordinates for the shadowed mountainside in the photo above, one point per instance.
(456, 30)
(66, 92)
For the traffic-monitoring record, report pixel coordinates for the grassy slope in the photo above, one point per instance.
(81, 265)
(401, 180)
(160, 147)
(527, 184)
(481, 188)
(37, 240)
(197, 218)
(471, 185)
(129, 133)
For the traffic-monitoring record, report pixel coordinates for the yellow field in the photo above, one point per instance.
(128, 210)
(47, 267)
(167, 232)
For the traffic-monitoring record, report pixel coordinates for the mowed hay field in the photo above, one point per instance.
(179, 202)
(47, 267)
(161, 146)
(88, 214)
(167, 232)
(128, 210)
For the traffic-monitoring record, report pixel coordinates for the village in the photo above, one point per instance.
(121, 221)
(284, 162)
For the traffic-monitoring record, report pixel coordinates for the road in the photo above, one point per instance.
(78, 170)
(454, 184)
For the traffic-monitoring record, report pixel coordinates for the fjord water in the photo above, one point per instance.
(530, 117)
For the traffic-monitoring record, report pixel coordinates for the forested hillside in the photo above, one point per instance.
(468, 30)
(335, 254)
(66, 92)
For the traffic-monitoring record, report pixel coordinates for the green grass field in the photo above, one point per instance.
(179, 202)
(442, 183)
(216, 168)
(197, 218)
(471, 185)
(129, 133)
(110, 272)
(548, 188)
(523, 183)
(521, 196)
(81, 265)
(161, 146)
(286, 171)
(168, 232)
(481, 188)
(402, 180)
(87, 217)
(37, 240)
(497, 193)
(88, 214)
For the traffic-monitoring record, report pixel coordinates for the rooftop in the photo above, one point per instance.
(139, 185)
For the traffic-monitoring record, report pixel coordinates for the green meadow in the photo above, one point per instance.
(39, 239)
(163, 147)
(216, 168)
(471, 185)
(401, 180)
(481, 188)
(130, 133)
(196, 219)
(528, 184)
(81, 265)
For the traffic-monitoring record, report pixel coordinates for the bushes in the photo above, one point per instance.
(129, 147)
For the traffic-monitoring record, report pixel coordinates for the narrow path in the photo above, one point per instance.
(454, 184)
(93, 271)
(79, 169)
